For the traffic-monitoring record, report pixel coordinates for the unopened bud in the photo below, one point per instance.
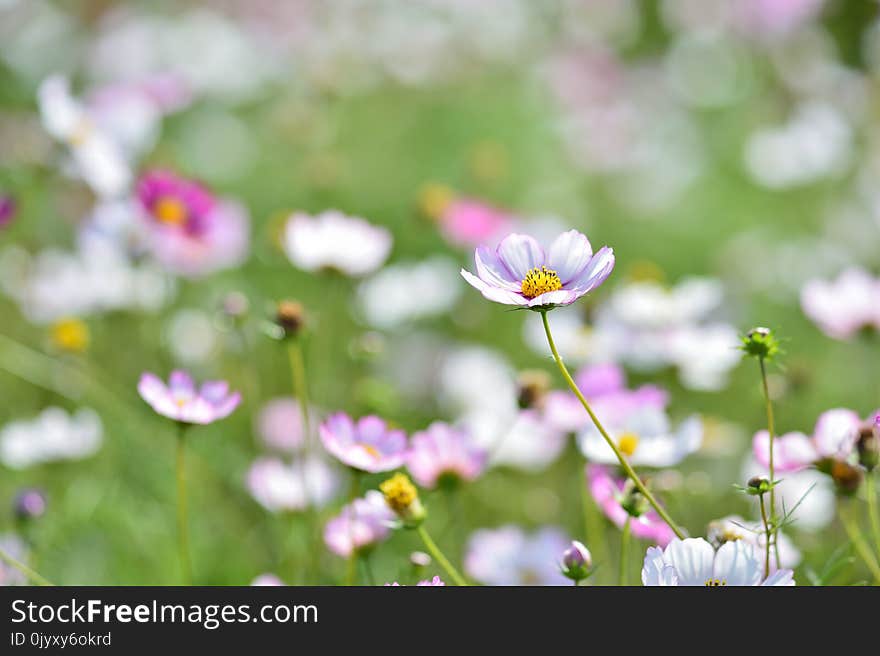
(761, 343)
(30, 503)
(419, 559)
(577, 563)
(290, 315)
(869, 445)
(758, 485)
(235, 305)
(846, 477)
(633, 501)
(532, 387)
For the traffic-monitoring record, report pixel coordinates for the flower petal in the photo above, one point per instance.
(692, 559)
(737, 563)
(782, 577)
(496, 294)
(558, 297)
(492, 271)
(594, 274)
(569, 254)
(520, 253)
(836, 433)
(181, 384)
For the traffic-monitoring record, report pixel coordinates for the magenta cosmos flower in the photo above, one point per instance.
(191, 231)
(607, 489)
(182, 401)
(367, 444)
(441, 451)
(359, 525)
(519, 272)
(835, 436)
(467, 222)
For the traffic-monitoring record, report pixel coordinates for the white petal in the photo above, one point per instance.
(737, 563)
(692, 559)
(520, 253)
(569, 254)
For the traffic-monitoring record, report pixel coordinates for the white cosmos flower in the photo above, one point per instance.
(278, 486)
(52, 435)
(387, 300)
(332, 240)
(734, 527)
(693, 561)
(97, 158)
(646, 437)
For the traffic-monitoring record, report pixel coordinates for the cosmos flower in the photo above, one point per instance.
(844, 306)
(604, 386)
(835, 436)
(361, 524)
(332, 240)
(519, 272)
(441, 451)
(509, 556)
(282, 487)
(53, 435)
(607, 490)
(734, 527)
(693, 561)
(181, 401)
(191, 232)
(368, 445)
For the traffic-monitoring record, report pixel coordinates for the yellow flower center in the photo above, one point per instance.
(170, 210)
(370, 449)
(628, 443)
(540, 280)
(713, 583)
(399, 492)
(70, 335)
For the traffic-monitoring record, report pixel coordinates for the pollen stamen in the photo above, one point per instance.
(540, 280)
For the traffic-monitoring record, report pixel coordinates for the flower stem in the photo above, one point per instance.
(624, 552)
(854, 534)
(594, 533)
(767, 535)
(182, 524)
(871, 492)
(24, 569)
(437, 555)
(771, 430)
(627, 468)
(351, 568)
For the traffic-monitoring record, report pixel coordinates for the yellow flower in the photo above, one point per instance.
(70, 335)
(403, 498)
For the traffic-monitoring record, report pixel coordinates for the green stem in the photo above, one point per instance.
(351, 568)
(767, 535)
(24, 569)
(771, 430)
(871, 492)
(854, 534)
(624, 552)
(437, 555)
(627, 468)
(594, 532)
(182, 524)
(368, 570)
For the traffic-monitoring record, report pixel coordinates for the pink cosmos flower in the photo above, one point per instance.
(509, 556)
(362, 523)
(191, 232)
(519, 272)
(468, 222)
(604, 385)
(606, 490)
(436, 581)
(844, 306)
(181, 401)
(368, 445)
(835, 436)
(440, 451)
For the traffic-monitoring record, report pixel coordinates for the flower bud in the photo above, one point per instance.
(846, 477)
(532, 387)
(758, 485)
(403, 498)
(290, 316)
(761, 343)
(419, 559)
(869, 445)
(633, 501)
(30, 503)
(577, 563)
(235, 305)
